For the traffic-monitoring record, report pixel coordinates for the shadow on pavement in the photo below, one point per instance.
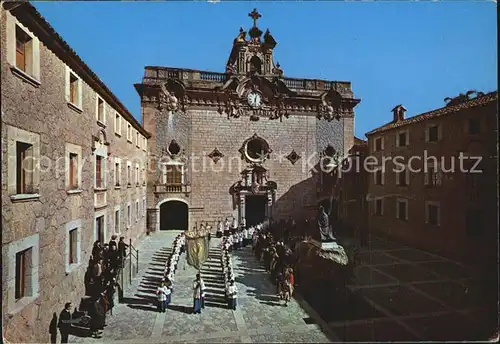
(181, 309)
(144, 308)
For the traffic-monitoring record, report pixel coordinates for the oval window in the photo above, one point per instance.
(257, 149)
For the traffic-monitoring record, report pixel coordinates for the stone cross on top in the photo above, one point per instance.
(255, 16)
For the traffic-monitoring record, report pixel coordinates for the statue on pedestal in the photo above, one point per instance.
(325, 229)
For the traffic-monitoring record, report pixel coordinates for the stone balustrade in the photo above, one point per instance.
(172, 188)
(155, 75)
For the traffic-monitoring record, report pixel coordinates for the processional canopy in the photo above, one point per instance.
(197, 246)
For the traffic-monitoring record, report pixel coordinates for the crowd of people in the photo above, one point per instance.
(166, 287)
(101, 283)
(227, 269)
(276, 256)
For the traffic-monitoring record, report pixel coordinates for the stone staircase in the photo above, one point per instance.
(212, 275)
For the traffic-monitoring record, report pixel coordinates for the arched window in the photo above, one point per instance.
(256, 65)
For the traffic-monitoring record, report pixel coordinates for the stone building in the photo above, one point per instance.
(431, 201)
(73, 172)
(242, 142)
(351, 188)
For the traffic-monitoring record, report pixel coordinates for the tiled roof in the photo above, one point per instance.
(358, 141)
(27, 8)
(447, 110)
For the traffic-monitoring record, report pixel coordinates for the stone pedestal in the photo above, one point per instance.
(326, 246)
(153, 220)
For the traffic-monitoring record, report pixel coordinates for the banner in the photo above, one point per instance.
(197, 251)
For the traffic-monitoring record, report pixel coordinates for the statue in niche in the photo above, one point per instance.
(168, 100)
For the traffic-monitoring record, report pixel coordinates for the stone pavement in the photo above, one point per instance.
(259, 317)
(408, 294)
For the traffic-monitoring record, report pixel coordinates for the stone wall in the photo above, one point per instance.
(199, 132)
(454, 195)
(43, 112)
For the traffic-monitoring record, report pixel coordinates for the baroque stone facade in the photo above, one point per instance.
(439, 205)
(63, 134)
(217, 119)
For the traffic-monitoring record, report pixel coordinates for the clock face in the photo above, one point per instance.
(254, 99)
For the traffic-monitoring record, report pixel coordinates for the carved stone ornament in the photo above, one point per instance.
(100, 138)
(331, 106)
(216, 155)
(168, 100)
(234, 100)
(293, 157)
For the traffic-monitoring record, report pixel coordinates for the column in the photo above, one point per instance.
(241, 207)
(153, 220)
(269, 208)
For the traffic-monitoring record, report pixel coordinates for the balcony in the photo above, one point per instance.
(172, 188)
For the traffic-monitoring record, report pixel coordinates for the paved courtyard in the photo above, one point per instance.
(260, 316)
(414, 295)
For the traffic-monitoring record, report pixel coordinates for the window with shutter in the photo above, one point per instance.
(433, 214)
(23, 273)
(401, 179)
(401, 210)
(73, 259)
(474, 126)
(378, 207)
(24, 168)
(73, 170)
(98, 171)
(100, 110)
(100, 228)
(73, 89)
(433, 134)
(118, 129)
(117, 221)
(174, 174)
(21, 51)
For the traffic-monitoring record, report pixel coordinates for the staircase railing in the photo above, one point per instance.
(131, 256)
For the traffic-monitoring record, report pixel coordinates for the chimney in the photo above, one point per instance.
(399, 113)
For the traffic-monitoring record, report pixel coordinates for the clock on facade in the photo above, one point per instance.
(254, 100)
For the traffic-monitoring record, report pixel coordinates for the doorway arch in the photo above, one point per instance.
(174, 215)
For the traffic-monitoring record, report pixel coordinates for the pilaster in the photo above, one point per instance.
(153, 223)
(241, 214)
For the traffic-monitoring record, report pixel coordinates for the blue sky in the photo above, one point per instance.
(410, 53)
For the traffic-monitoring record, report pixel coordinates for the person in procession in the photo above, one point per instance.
(233, 294)
(197, 295)
(162, 293)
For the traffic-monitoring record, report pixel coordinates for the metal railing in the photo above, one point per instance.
(132, 254)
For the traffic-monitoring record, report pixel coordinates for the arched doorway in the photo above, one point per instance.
(174, 215)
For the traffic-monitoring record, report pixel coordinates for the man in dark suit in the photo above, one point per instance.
(65, 322)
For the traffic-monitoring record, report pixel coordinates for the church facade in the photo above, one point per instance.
(243, 143)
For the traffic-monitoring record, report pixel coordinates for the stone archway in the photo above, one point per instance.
(174, 215)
